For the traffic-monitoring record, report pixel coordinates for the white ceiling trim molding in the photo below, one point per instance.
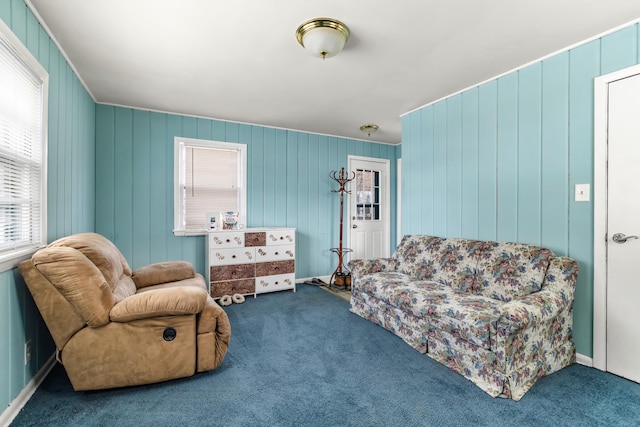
(565, 49)
(59, 46)
(195, 116)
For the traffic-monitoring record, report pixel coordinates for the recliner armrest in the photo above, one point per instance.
(162, 272)
(160, 302)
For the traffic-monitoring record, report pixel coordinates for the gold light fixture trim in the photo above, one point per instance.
(369, 129)
(331, 43)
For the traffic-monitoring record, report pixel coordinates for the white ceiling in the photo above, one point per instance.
(240, 60)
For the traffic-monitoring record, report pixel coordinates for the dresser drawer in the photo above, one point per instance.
(275, 267)
(275, 253)
(258, 238)
(232, 272)
(226, 240)
(281, 237)
(232, 256)
(275, 283)
(231, 287)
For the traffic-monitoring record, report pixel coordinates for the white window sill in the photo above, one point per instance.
(180, 233)
(11, 260)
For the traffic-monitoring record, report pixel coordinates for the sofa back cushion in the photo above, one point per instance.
(413, 257)
(511, 270)
(455, 263)
(451, 262)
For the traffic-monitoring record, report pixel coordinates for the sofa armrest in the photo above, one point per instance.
(539, 307)
(162, 272)
(160, 302)
(359, 267)
(533, 309)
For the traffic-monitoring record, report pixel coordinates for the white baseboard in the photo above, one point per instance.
(584, 360)
(18, 403)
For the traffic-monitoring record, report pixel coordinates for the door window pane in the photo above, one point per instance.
(367, 195)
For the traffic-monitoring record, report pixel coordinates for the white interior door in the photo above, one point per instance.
(623, 229)
(369, 211)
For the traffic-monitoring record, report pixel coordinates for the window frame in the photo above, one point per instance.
(11, 259)
(179, 144)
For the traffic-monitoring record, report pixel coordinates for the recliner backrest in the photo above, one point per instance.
(78, 280)
(75, 281)
(106, 257)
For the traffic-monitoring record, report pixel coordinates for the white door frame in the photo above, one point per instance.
(385, 199)
(398, 201)
(601, 118)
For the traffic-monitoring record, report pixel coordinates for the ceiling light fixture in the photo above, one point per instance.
(323, 37)
(369, 129)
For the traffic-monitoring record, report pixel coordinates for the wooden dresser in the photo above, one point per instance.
(250, 261)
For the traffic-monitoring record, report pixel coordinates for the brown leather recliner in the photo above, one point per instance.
(115, 328)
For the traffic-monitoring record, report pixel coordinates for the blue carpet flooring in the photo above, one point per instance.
(302, 359)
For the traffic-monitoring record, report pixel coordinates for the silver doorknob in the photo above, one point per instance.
(354, 226)
(621, 238)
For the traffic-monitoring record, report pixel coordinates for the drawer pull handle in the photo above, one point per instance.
(228, 240)
(261, 252)
(248, 254)
(290, 253)
(289, 238)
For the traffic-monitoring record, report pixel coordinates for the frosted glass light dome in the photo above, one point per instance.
(323, 37)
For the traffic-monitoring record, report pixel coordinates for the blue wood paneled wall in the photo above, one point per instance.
(71, 198)
(499, 161)
(288, 184)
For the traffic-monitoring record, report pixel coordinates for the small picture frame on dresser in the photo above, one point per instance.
(212, 221)
(229, 220)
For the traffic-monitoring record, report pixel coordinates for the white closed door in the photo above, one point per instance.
(369, 224)
(623, 228)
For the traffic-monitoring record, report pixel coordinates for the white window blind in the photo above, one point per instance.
(211, 183)
(23, 85)
(209, 178)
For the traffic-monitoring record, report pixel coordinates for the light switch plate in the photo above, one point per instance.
(582, 192)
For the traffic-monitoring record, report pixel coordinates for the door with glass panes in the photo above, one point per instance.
(369, 208)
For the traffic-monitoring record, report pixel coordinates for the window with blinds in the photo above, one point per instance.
(23, 101)
(210, 178)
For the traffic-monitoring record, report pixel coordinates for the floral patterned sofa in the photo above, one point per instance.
(500, 314)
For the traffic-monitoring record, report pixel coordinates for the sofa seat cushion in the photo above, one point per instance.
(465, 316)
(398, 290)
(462, 314)
(508, 271)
